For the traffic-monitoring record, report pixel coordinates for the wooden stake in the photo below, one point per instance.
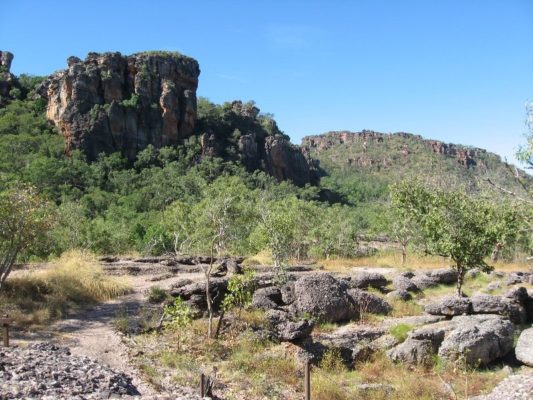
(202, 385)
(307, 382)
(5, 322)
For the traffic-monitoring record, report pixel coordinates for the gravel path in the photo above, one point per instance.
(515, 387)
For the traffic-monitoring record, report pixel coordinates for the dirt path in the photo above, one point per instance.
(91, 332)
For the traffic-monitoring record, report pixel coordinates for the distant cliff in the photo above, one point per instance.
(388, 157)
(361, 142)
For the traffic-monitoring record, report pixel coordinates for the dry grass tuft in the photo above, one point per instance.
(74, 280)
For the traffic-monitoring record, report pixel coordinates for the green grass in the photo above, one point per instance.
(400, 331)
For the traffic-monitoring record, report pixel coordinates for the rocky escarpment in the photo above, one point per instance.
(366, 139)
(110, 102)
(114, 103)
(257, 143)
(8, 81)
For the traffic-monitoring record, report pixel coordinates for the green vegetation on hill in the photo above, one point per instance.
(163, 201)
(361, 165)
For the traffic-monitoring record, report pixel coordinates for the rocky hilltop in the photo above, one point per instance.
(110, 102)
(382, 158)
(7, 80)
(465, 156)
(114, 103)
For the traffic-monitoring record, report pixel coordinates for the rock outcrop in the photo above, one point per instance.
(113, 103)
(110, 102)
(7, 79)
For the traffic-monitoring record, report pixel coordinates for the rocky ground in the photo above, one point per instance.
(84, 356)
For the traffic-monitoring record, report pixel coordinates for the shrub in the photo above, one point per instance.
(156, 295)
(177, 315)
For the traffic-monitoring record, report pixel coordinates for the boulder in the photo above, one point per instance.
(444, 276)
(323, 297)
(524, 347)
(364, 280)
(285, 329)
(404, 282)
(412, 351)
(384, 342)
(435, 334)
(487, 304)
(403, 295)
(194, 294)
(420, 346)
(368, 303)
(491, 287)
(518, 277)
(267, 298)
(424, 281)
(449, 306)
(352, 342)
(287, 293)
(478, 339)
(517, 294)
(227, 266)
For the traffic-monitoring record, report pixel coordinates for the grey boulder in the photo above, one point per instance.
(450, 306)
(404, 282)
(284, 329)
(412, 351)
(364, 280)
(478, 339)
(524, 347)
(323, 297)
(267, 298)
(368, 303)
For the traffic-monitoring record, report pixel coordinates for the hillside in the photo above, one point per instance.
(383, 158)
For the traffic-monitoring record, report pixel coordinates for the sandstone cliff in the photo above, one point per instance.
(7, 79)
(255, 141)
(110, 102)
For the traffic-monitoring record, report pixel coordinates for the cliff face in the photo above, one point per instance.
(110, 102)
(7, 79)
(262, 146)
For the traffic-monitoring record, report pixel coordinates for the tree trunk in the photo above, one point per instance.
(208, 298)
(404, 254)
(460, 280)
(219, 325)
(496, 252)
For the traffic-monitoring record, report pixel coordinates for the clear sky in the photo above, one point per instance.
(454, 70)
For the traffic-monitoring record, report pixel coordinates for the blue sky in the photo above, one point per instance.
(454, 70)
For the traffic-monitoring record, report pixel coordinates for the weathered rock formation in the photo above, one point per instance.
(114, 103)
(7, 79)
(110, 102)
(260, 145)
